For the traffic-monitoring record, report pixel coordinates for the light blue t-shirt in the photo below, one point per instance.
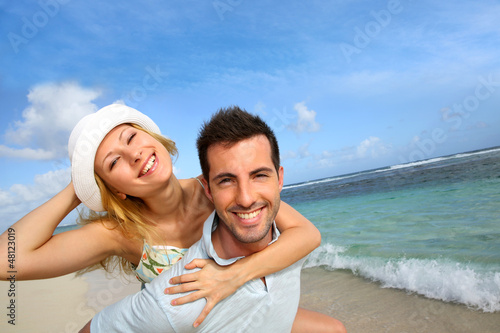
(254, 307)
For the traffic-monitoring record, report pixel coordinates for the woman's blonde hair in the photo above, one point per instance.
(128, 215)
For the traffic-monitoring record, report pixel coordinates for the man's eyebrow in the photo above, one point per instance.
(232, 175)
(263, 169)
(224, 175)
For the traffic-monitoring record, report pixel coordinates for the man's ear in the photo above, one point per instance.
(280, 177)
(206, 187)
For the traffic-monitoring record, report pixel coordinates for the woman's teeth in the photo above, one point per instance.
(148, 165)
(248, 216)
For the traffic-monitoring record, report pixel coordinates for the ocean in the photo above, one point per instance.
(429, 227)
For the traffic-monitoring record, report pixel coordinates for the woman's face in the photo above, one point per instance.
(132, 162)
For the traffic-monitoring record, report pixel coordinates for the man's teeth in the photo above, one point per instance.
(249, 216)
(149, 165)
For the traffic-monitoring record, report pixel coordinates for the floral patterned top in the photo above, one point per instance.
(155, 259)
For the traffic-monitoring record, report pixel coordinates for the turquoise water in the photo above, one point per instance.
(431, 227)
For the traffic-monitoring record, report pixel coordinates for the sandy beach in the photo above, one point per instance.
(364, 307)
(66, 303)
(63, 304)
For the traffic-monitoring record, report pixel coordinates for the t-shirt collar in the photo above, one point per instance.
(210, 225)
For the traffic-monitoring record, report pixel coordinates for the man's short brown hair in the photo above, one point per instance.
(229, 126)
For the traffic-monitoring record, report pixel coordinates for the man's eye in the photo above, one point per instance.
(224, 180)
(130, 138)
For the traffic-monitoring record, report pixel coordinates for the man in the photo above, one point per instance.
(239, 156)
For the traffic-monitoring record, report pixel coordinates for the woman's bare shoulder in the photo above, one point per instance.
(110, 230)
(196, 191)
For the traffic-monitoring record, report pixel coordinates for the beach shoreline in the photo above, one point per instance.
(67, 303)
(363, 306)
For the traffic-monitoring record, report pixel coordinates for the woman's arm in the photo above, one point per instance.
(298, 238)
(40, 255)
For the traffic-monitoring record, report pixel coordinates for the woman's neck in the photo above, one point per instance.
(167, 203)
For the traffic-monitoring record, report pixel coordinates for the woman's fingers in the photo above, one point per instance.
(197, 263)
(182, 288)
(188, 298)
(206, 310)
(184, 278)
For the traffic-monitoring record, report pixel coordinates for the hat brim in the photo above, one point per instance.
(93, 129)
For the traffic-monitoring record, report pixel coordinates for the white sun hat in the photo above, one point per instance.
(86, 138)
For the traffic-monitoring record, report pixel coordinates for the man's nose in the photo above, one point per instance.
(245, 195)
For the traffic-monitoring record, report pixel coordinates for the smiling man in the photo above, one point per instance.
(239, 157)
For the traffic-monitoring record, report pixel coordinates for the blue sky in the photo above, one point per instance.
(346, 85)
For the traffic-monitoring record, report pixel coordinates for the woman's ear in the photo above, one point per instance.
(122, 196)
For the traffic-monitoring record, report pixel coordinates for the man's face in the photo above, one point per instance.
(245, 187)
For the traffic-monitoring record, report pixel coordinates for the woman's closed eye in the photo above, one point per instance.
(130, 138)
(112, 164)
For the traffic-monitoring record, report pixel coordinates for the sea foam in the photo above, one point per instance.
(440, 279)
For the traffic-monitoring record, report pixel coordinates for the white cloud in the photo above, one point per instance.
(304, 151)
(53, 112)
(44, 187)
(373, 147)
(448, 115)
(20, 199)
(326, 159)
(288, 155)
(26, 153)
(480, 124)
(260, 108)
(301, 153)
(368, 150)
(306, 121)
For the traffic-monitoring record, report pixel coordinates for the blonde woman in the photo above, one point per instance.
(121, 165)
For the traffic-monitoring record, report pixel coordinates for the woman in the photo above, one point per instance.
(122, 165)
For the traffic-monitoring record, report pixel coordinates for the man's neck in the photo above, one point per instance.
(227, 246)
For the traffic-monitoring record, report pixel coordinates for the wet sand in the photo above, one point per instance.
(364, 307)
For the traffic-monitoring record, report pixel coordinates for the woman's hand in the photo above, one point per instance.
(212, 282)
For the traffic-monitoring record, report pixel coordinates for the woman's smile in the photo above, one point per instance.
(149, 166)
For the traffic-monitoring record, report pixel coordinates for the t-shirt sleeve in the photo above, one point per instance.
(135, 313)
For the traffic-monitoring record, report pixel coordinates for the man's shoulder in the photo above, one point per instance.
(177, 316)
